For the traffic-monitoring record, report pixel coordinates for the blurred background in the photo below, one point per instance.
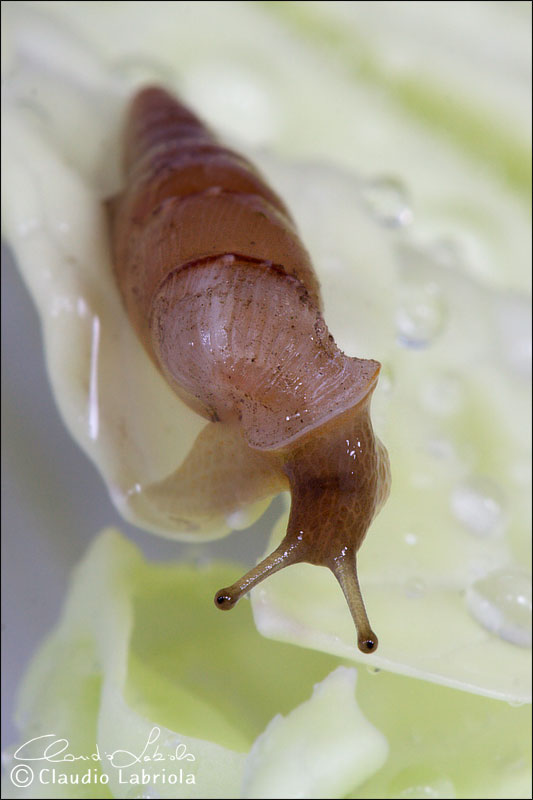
(400, 73)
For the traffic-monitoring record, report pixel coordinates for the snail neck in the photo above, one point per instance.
(334, 480)
(338, 476)
(337, 482)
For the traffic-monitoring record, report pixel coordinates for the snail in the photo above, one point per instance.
(225, 300)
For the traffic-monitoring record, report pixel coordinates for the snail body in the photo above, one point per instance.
(224, 298)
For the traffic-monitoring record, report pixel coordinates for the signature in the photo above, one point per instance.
(56, 751)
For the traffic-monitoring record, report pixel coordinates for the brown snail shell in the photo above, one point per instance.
(223, 296)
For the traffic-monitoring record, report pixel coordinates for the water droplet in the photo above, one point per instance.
(501, 602)
(421, 782)
(139, 70)
(410, 539)
(479, 506)
(441, 448)
(520, 690)
(386, 379)
(420, 315)
(520, 472)
(442, 395)
(422, 310)
(82, 309)
(422, 480)
(373, 670)
(447, 253)
(331, 262)
(240, 519)
(386, 199)
(35, 108)
(515, 765)
(197, 554)
(420, 791)
(27, 227)
(483, 563)
(415, 587)
(513, 332)
(148, 793)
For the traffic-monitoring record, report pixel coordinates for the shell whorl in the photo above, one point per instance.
(224, 298)
(251, 345)
(188, 198)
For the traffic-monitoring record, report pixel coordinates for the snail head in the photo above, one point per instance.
(339, 478)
